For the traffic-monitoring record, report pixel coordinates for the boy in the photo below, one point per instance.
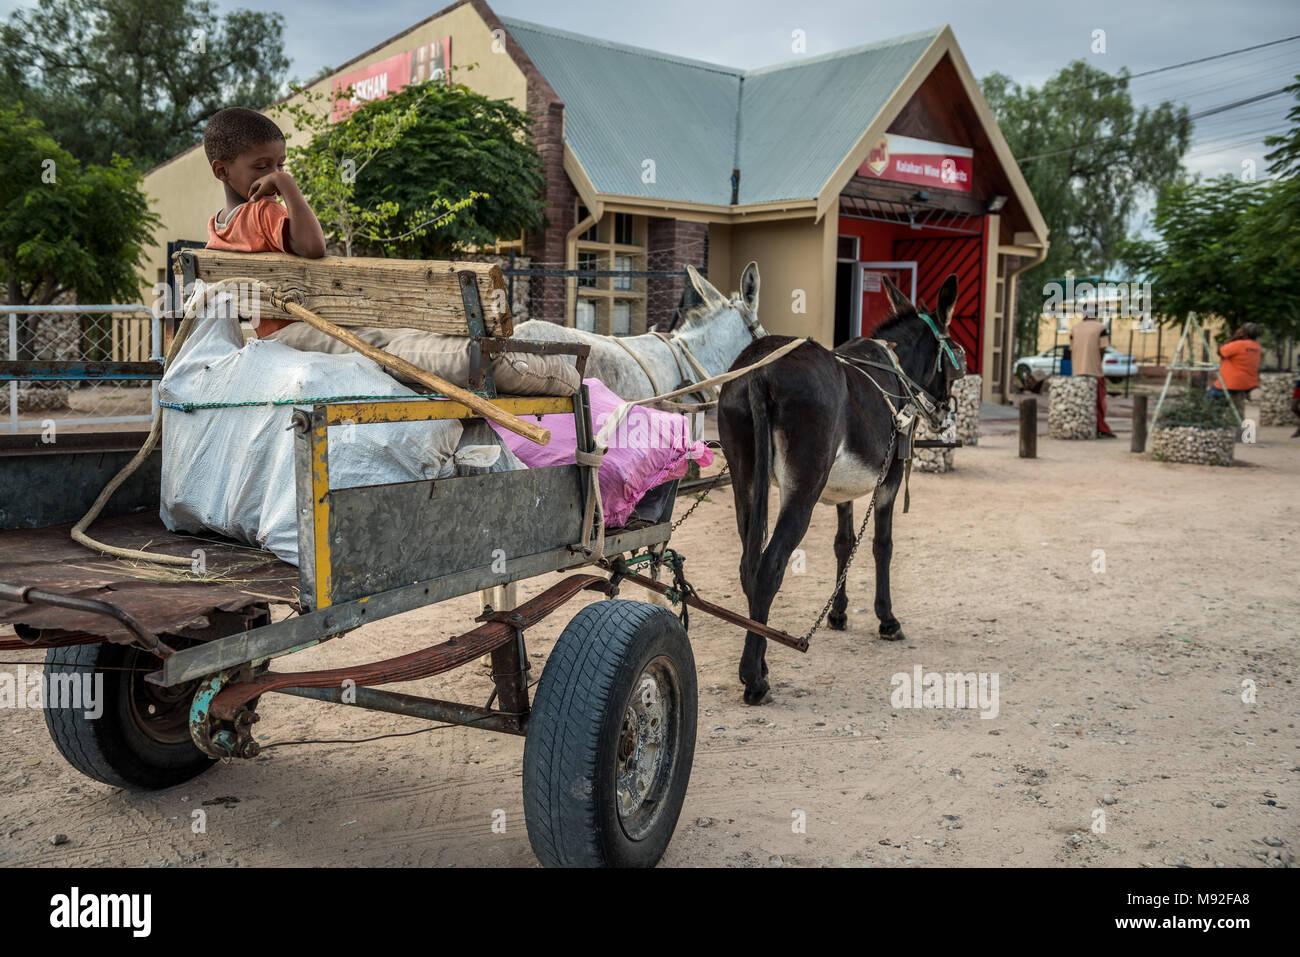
(247, 153)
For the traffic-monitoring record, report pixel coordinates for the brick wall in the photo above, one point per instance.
(671, 244)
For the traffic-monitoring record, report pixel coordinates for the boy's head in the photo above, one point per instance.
(242, 146)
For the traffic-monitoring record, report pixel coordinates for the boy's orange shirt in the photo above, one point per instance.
(259, 227)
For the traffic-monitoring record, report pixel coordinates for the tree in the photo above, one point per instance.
(1279, 217)
(330, 167)
(1202, 261)
(1090, 158)
(65, 227)
(1229, 247)
(138, 78)
(461, 143)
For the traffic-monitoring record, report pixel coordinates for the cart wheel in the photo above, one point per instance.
(141, 738)
(611, 738)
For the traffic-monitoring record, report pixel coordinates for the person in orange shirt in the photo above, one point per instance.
(247, 153)
(1239, 366)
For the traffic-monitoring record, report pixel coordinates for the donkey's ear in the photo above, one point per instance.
(899, 302)
(749, 287)
(947, 300)
(705, 288)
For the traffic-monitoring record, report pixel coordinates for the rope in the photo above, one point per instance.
(594, 458)
(197, 301)
(612, 424)
(307, 400)
(595, 512)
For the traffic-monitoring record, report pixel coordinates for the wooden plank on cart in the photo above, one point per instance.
(393, 293)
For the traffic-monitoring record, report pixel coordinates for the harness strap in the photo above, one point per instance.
(612, 423)
(654, 386)
(670, 340)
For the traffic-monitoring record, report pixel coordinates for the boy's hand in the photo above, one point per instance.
(268, 186)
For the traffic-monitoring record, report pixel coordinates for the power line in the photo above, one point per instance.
(1177, 66)
(1222, 108)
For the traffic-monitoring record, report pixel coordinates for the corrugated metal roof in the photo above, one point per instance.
(788, 126)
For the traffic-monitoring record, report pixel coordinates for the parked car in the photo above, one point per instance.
(1030, 372)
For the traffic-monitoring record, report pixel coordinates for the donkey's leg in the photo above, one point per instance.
(882, 547)
(843, 545)
(796, 513)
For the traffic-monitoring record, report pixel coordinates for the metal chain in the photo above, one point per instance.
(701, 496)
(884, 469)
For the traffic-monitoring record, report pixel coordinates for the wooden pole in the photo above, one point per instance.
(1139, 423)
(483, 407)
(1128, 379)
(1028, 428)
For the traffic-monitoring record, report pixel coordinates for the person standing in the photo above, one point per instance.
(1239, 360)
(1088, 343)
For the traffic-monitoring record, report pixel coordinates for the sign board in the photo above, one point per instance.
(376, 81)
(905, 159)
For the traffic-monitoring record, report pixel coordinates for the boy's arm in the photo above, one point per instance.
(306, 238)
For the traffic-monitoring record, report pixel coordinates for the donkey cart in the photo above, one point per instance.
(184, 658)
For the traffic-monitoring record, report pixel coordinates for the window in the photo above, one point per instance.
(623, 232)
(622, 318)
(591, 235)
(846, 249)
(588, 261)
(623, 264)
(586, 317)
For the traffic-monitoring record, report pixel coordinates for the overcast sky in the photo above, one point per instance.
(1028, 39)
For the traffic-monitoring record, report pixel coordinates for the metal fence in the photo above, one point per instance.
(88, 341)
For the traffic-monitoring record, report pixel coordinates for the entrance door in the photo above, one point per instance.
(875, 307)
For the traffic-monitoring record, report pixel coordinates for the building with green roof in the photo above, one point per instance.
(830, 171)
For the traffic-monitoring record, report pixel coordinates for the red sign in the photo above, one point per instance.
(432, 61)
(904, 159)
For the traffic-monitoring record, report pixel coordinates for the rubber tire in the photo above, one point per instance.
(112, 748)
(571, 749)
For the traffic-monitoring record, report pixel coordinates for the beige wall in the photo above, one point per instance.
(184, 193)
(796, 254)
(723, 275)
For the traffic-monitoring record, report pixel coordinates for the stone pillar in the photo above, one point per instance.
(966, 392)
(1275, 398)
(1072, 407)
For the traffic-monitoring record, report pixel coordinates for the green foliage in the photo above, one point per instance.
(64, 226)
(1204, 260)
(330, 167)
(461, 143)
(1197, 409)
(1098, 155)
(137, 78)
(1230, 247)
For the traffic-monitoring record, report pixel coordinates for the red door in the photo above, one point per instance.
(876, 307)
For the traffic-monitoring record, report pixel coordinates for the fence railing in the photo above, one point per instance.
(59, 359)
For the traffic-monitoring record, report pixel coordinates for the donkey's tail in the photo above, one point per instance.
(762, 479)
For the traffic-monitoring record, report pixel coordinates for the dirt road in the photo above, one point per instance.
(1120, 692)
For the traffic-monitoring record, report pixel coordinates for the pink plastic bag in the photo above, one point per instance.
(648, 448)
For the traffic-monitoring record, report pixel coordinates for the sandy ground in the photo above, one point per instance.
(1124, 683)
